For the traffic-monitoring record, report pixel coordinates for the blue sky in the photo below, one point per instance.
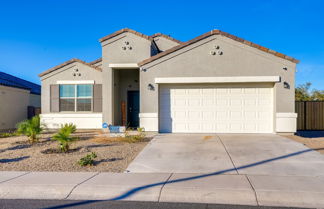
(37, 35)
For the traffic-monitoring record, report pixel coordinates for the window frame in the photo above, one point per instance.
(75, 98)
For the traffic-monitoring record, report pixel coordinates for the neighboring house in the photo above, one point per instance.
(16, 96)
(215, 82)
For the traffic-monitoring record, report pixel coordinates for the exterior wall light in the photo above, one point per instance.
(285, 68)
(286, 85)
(150, 87)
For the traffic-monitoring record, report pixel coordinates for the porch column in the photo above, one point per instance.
(108, 94)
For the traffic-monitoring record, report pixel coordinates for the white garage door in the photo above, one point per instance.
(214, 108)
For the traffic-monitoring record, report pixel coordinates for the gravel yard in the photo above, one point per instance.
(311, 139)
(114, 155)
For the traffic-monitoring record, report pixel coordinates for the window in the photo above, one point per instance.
(76, 98)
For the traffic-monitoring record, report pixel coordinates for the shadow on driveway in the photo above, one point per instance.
(141, 188)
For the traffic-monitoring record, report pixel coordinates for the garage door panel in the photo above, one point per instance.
(236, 115)
(221, 115)
(250, 115)
(249, 101)
(222, 102)
(250, 127)
(208, 115)
(207, 109)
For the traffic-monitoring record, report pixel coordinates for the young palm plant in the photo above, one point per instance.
(64, 137)
(30, 128)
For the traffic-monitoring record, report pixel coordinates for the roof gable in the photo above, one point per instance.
(95, 61)
(68, 63)
(165, 36)
(124, 30)
(217, 32)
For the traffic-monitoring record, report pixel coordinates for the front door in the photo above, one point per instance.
(133, 109)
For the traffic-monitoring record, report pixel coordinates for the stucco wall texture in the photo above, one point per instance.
(66, 74)
(112, 53)
(237, 59)
(13, 106)
(195, 60)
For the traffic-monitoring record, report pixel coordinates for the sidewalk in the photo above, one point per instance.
(298, 191)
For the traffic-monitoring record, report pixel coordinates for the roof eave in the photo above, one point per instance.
(216, 32)
(166, 36)
(65, 64)
(124, 30)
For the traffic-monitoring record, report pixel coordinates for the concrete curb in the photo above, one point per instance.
(221, 189)
(41, 185)
(293, 191)
(121, 186)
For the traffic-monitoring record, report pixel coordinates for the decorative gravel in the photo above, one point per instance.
(313, 142)
(16, 154)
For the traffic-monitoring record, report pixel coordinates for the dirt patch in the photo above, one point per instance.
(207, 137)
(114, 154)
(313, 143)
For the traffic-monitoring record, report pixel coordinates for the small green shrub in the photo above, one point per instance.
(88, 159)
(30, 128)
(64, 136)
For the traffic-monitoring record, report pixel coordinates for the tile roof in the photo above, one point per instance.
(123, 31)
(95, 61)
(67, 63)
(216, 32)
(166, 36)
(13, 81)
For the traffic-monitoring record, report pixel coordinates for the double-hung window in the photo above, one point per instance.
(76, 98)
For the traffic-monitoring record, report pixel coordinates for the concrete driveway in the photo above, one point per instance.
(253, 154)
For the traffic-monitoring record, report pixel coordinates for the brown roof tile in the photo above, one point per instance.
(123, 31)
(216, 32)
(166, 36)
(95, 61)
(278, 54)
(67, 63)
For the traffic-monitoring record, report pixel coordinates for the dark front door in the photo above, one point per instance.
(133, 108)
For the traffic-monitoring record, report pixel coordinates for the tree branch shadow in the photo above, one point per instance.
(11, 160)
(141, 188)
(107, 160)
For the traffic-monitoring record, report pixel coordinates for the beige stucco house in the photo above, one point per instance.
(214, 83)
(16, 95)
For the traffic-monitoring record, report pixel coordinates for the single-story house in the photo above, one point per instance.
(16, 97)
(214, 83)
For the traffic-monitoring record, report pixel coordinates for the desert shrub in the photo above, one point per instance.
(68, 127)
(64, 137)
(8, 134)
(88, 159)
(135, 138)
(30, 128)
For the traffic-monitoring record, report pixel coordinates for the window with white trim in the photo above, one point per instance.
(76, 98)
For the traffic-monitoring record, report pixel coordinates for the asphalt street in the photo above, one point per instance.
(55, 204)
